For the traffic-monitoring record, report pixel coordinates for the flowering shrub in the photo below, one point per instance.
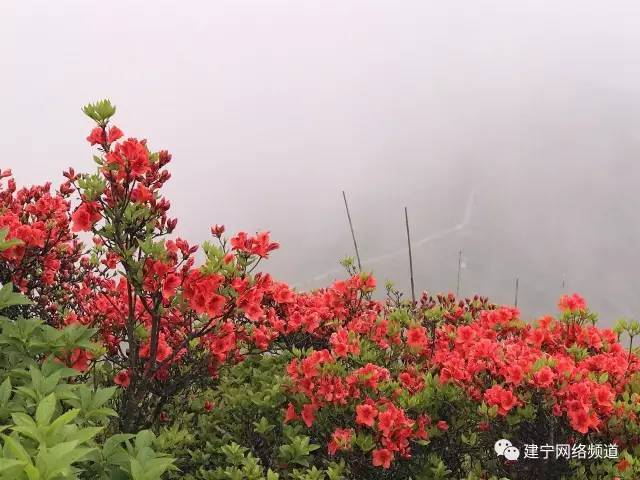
(53, 425)
(42, 255)
(244, 377)
(165, 322)
(418, 378)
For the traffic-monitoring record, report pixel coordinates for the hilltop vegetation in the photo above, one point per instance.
(125, 354)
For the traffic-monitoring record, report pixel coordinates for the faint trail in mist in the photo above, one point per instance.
(367, 262)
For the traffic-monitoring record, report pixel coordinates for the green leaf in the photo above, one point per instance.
(84, 434)
(137, 472)
(9, 298)
(263, 426)
(144, 439)
(64, 419)
(45, 409)
(32, 472)
(16, 449)
(113, 451)
(22, 420)
(102, 396)
(100, 111)
(155, 467)
(7, 244)
(6, 463)
(5, 391)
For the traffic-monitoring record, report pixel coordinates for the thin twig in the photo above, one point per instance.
(459, 267)
(413, 289)
(517, 287)
(353, 235)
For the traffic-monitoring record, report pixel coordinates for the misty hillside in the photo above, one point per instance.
(554, 204)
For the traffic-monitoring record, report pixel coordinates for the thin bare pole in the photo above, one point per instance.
(353, 235)
(517, 285)
(459, 267)
(563, 283)
(413, 288)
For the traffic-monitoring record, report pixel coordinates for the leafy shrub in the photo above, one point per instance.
(236, 430)
(52, 427)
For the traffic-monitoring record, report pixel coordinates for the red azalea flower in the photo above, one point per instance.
(171, 283)
(164, 350)
(122, 378)
(308, 414)
(386, 421)
(80, 359)
(81, 220)
(85, 216)
(217, 230)
(623, 465)
(514, 374)
(114, 134)
(572, 303)
(580, 420)
(97, 136)
(382, 457)
(417, 337)
(366, 414)
(544, 377)
(341, 439)
(504, 399)
(290, 413)
(465, 334)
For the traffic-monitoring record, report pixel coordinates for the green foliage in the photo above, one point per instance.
(130, 457)
(54, 424)
(244, 436)
(100, 111)
(7, 244)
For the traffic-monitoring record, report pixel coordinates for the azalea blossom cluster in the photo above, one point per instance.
(580, 369)
(580, 372)
(163, 318)
(167, 310)
(44, 259)
(154, 308)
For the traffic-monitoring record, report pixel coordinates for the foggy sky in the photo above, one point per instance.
(272, 108)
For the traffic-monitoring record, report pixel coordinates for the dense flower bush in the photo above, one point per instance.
(54, 424)
(43, 258)
(242, 376)
(393, 386)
